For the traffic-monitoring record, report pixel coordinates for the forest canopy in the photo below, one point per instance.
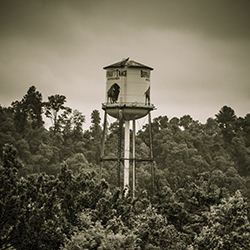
(50, 196)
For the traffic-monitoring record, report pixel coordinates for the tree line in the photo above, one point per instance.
(50, 197)
(41, 149)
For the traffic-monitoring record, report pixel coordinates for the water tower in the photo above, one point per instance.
(127, 99)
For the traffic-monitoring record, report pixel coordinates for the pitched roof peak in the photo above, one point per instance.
(128, 63)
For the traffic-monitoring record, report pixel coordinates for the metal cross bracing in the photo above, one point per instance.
(126, 159)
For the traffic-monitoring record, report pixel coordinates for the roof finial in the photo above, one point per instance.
(124, 61)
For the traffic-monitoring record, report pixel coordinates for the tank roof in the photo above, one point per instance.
(128, 63)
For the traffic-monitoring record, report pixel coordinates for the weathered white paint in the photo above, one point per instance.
(126, 155)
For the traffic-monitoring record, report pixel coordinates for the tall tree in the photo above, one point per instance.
(94, 137)
(34, 107)
(20, 116)
(95, 127)
(226, 119)
(54, 105)
(71, 124)
(65, 121)
(28, 111)
(78, 119)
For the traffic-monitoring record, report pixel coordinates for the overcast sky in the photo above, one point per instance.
(199, 49)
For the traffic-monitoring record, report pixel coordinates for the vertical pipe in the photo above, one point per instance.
(119, 148)
(126, 157)
(134, 159)
(102, 146)
(151, 152)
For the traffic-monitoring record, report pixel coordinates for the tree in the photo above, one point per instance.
(243, 128)
(185, 121)
(10, 201)
(20, 116)
(242, 154)
(227, 226)
(71, 130)
(226, 119)
(154, 232)
(211, 127)
(28, 111)
(95, 127)
(34, 107)
(7, 128)
(77, 162)
(93, 235)
(54, 105)
(78, 119)
(41, 224)
(65, 121)
(94, 141)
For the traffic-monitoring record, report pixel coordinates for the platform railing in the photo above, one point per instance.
(128, 104)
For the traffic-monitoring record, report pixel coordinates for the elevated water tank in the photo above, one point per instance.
(128, 89)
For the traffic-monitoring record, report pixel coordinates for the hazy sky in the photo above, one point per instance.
(199, 49)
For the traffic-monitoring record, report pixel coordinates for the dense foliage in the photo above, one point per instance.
(50, 197)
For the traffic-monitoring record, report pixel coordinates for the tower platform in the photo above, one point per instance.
(130, 110)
